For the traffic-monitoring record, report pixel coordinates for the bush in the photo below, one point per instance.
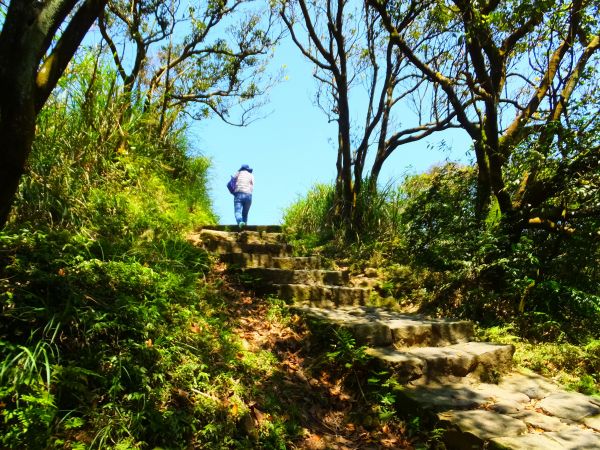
(98, 285)
(307, 222)
(435, 252)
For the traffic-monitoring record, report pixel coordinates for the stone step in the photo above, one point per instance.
(572, 438)
(522, 411)
(239, 247)
(381, 326)
(276, 262)
(247, 259)
(309, 277)
(429, 363)
(246, 237)
(513, 393)
(296, 263)
(235, 228)
(243, 242)
(322, 296)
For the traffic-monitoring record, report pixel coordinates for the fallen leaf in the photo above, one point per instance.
(149, 343)
(344, 397)
(314, 442)
(389, 442)
(194, 328)
(335, 390)
(183, 394)
(259, 416)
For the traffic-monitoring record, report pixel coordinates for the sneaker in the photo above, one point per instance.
(241, 225)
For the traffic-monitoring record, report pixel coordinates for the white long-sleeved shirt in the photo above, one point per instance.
(244, 182)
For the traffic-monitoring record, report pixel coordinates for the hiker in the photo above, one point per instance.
(242, 194)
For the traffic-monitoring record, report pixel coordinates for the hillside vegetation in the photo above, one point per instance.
(98, 287)
(116, 332)
(540, 292)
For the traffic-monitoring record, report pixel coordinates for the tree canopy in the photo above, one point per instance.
(520, 77)
(37, 41)
(361, 73)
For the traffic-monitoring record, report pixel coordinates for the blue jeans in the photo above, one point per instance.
(241, 205)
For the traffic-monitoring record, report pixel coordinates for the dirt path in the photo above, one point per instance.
(330, 414)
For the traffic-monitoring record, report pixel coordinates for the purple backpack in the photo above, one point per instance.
(231, 185)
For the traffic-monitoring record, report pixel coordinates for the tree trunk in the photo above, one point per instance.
(18, 71)
(344, 177)
(17, 128)
(28, 75)
(484, 187)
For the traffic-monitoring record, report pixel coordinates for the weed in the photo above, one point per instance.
(345, 351)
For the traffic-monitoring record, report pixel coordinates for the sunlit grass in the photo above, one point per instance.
(573, 366)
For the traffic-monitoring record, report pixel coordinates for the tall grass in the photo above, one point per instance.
(311, 224)
(308, 220)
(97, 282)
(97, 162)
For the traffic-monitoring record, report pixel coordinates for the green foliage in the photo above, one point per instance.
(345, 351)
(575, 366)
(131, 349)
(438, 217)
(546, 283)
(112, 167)
(109, 336)
(25, 377)
(102, 320)
(309, 223)
(377, 218)
(436, 254)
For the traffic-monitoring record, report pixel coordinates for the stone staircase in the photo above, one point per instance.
(443, 369)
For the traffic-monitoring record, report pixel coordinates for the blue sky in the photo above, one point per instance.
(292, 148)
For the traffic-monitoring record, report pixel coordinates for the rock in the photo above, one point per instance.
(468, 429)
(540, 421)
(576, 439)
(498, 394)
(532, 385)
(569, 405)
(444, 398)
(436, 362)
(507, 407)
(592, 422)
(495, 357)
(525, 442)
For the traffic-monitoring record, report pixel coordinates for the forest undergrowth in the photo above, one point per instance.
(117, 332)
(149, 354)
(539, 292)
